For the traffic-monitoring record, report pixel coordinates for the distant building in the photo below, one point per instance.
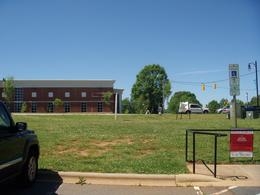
(75, 95)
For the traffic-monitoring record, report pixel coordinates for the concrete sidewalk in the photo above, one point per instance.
(238, 175)
(228, 175)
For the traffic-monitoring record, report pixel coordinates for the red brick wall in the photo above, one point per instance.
(94, 95)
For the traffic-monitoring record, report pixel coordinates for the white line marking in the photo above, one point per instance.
(198, 191)
(224, 191)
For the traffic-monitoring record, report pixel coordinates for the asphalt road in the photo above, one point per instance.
(56, 188)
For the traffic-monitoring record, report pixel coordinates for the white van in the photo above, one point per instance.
(188, 108)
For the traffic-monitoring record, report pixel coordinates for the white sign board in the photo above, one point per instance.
(234, 80)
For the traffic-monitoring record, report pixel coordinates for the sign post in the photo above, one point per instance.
(234, 85)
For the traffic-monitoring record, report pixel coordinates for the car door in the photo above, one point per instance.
(10, 145)
(196, 108)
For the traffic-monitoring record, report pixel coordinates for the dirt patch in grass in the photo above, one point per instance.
(104, 144)
(93, 148)
(147, 148)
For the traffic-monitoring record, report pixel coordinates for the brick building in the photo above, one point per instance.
(75, 95)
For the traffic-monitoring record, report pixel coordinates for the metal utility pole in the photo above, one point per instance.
(256, 78)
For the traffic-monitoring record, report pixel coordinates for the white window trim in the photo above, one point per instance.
(34, 94)
(67, 94)
(50, 94)
(83, 94)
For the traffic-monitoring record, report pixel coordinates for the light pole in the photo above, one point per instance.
(246, 98)
(163, 84)
(256, 78)
(161, 77)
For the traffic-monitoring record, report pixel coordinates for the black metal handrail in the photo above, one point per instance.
(211, 132)
(216, 135)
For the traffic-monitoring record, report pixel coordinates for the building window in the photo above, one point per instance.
(18, 94)
(67, 94)
(84, 107)
(34, 94)
(83, 94)
(50, 107)
(100, 107)
(66, 107)
(34, 107)
(3, 95)
(18, 107)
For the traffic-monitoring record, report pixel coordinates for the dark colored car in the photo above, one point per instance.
(19, 150)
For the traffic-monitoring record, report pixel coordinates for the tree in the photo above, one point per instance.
(107, 97)
(151, 89)
(57, 103)
(181, 96)
(240, 102)
(213, 106)
(223, 102)
(9, 90)
(127, 106)
(24, 107)
(141, 104)
(253, 101)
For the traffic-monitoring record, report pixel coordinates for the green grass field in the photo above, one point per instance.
(130, 144)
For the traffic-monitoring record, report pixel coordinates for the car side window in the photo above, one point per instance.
(4, 118)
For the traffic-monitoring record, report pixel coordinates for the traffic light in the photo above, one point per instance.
(203, 87)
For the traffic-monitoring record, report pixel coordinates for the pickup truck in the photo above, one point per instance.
(19, 150)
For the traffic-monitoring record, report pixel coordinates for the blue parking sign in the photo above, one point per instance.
(234, 81)
(234, 73)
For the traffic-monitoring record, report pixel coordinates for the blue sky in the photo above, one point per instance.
(194, 40)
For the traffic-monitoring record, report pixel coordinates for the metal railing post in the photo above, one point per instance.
(186, 147)
(215, 157)
(193, 156)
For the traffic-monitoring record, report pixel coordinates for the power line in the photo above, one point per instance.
(206, 84)
(210, 86)
(209, 82)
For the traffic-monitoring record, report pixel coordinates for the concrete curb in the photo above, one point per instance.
(189, 178)
(228, 175)
(128, 179)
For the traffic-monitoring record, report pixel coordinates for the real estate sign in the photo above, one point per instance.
(241, 143)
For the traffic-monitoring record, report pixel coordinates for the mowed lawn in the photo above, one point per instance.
(130, 144)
